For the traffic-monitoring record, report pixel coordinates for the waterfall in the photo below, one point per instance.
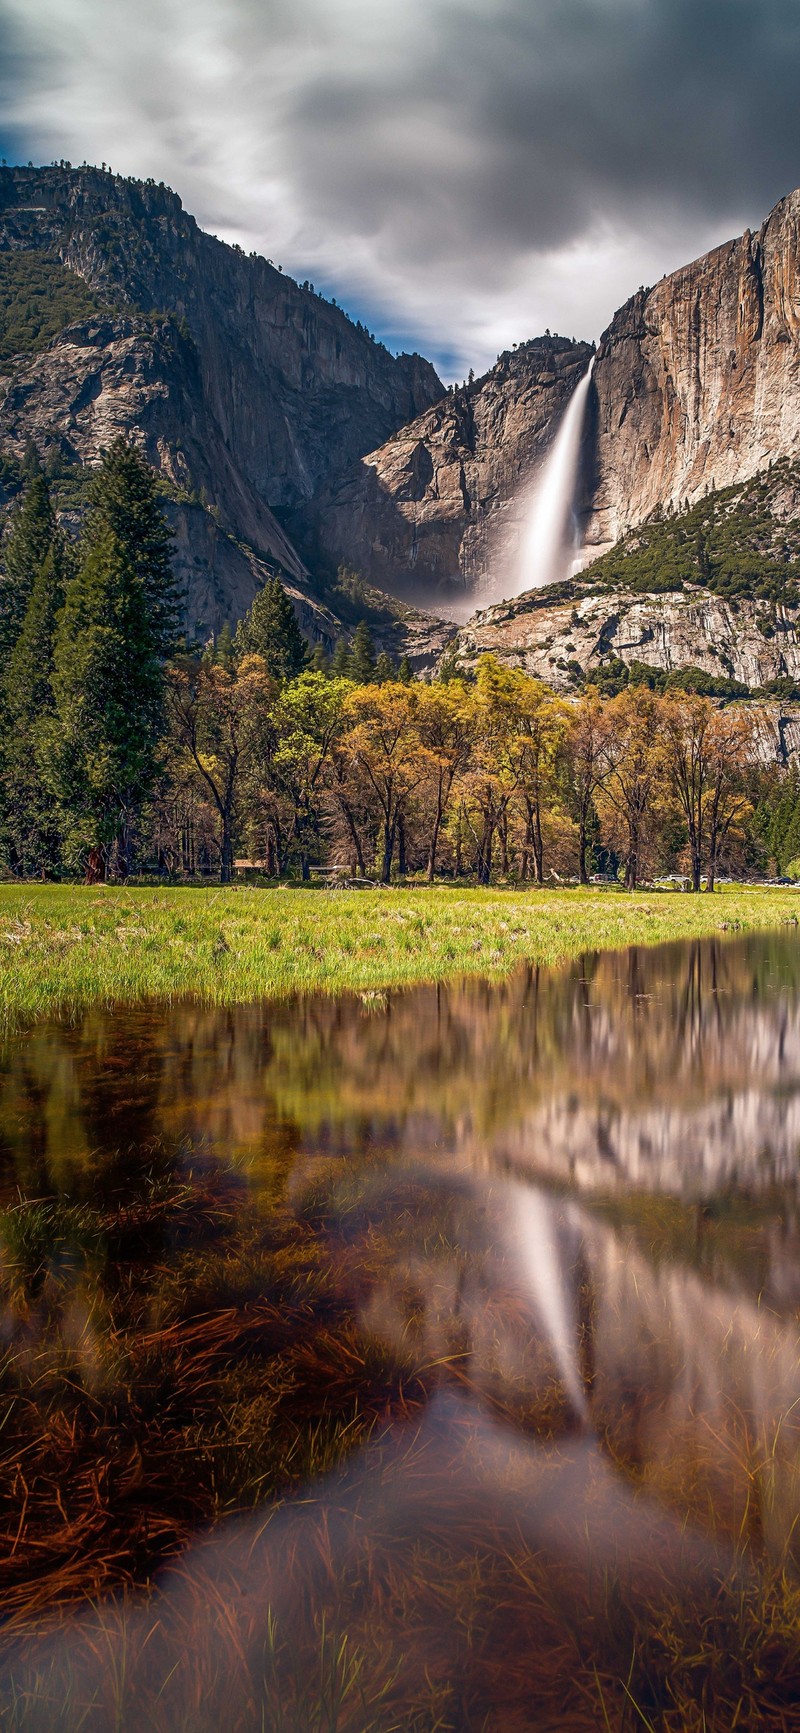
(548, 545)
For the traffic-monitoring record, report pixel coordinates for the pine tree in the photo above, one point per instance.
(342, 663)
(320, 660)
(123, 501)
(363, 667)
(384, 669)
(270, 629)
(117, 622)
(405, 672)
(223, 647)
(31, 831)
(449, 667)
(30, 534)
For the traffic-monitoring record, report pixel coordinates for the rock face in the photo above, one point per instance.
(558, 639)
(119, 374)
(697, 381)
(247, 390)
(436, 511)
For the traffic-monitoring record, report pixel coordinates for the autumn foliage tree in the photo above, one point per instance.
(385, 751)
(446, 729)
(708, 751)
(219, 717)
(630, 791)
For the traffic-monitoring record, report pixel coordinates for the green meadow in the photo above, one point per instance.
(67, 945)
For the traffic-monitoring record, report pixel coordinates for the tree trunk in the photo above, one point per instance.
(632, 862)
(434, 842)
(538, 845)
(401, 845)
(583, 876)
(96, 866)
(346, 811)
(388, 851)
(524, 858)
(711, 873)
(226, 852)
(502, 831)
(484, 863)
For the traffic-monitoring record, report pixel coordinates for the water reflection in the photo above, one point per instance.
(503, 1280)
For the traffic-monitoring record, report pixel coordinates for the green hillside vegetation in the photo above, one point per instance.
(39, 298)
(733, 542)
(614, 675)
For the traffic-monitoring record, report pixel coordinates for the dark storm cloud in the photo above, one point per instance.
(470, 168)
(555, 111)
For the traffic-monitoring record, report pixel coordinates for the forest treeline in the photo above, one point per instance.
(125, 750)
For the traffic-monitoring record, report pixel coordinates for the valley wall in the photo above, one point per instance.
(246, 390)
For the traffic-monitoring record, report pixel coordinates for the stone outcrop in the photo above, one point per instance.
(121, 374)
(560, 637)
(247, 390)
(436, 510)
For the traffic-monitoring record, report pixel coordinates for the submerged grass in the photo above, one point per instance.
(67, 946)
(203, 1363)
(179, 1355)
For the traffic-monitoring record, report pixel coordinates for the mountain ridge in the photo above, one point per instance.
(273, 386)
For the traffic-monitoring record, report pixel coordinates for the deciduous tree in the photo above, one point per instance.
(218, 717)
(384, 751)
(588, 765)
(629, 793)
(445, 724)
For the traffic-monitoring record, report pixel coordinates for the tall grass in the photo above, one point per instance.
(66, 946)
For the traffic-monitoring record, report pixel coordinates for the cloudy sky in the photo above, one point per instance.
(461, 173)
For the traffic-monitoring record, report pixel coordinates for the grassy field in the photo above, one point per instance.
(64, 946)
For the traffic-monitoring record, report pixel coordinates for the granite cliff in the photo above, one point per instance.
(562, 638)
(697, 380)
(247, 390)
